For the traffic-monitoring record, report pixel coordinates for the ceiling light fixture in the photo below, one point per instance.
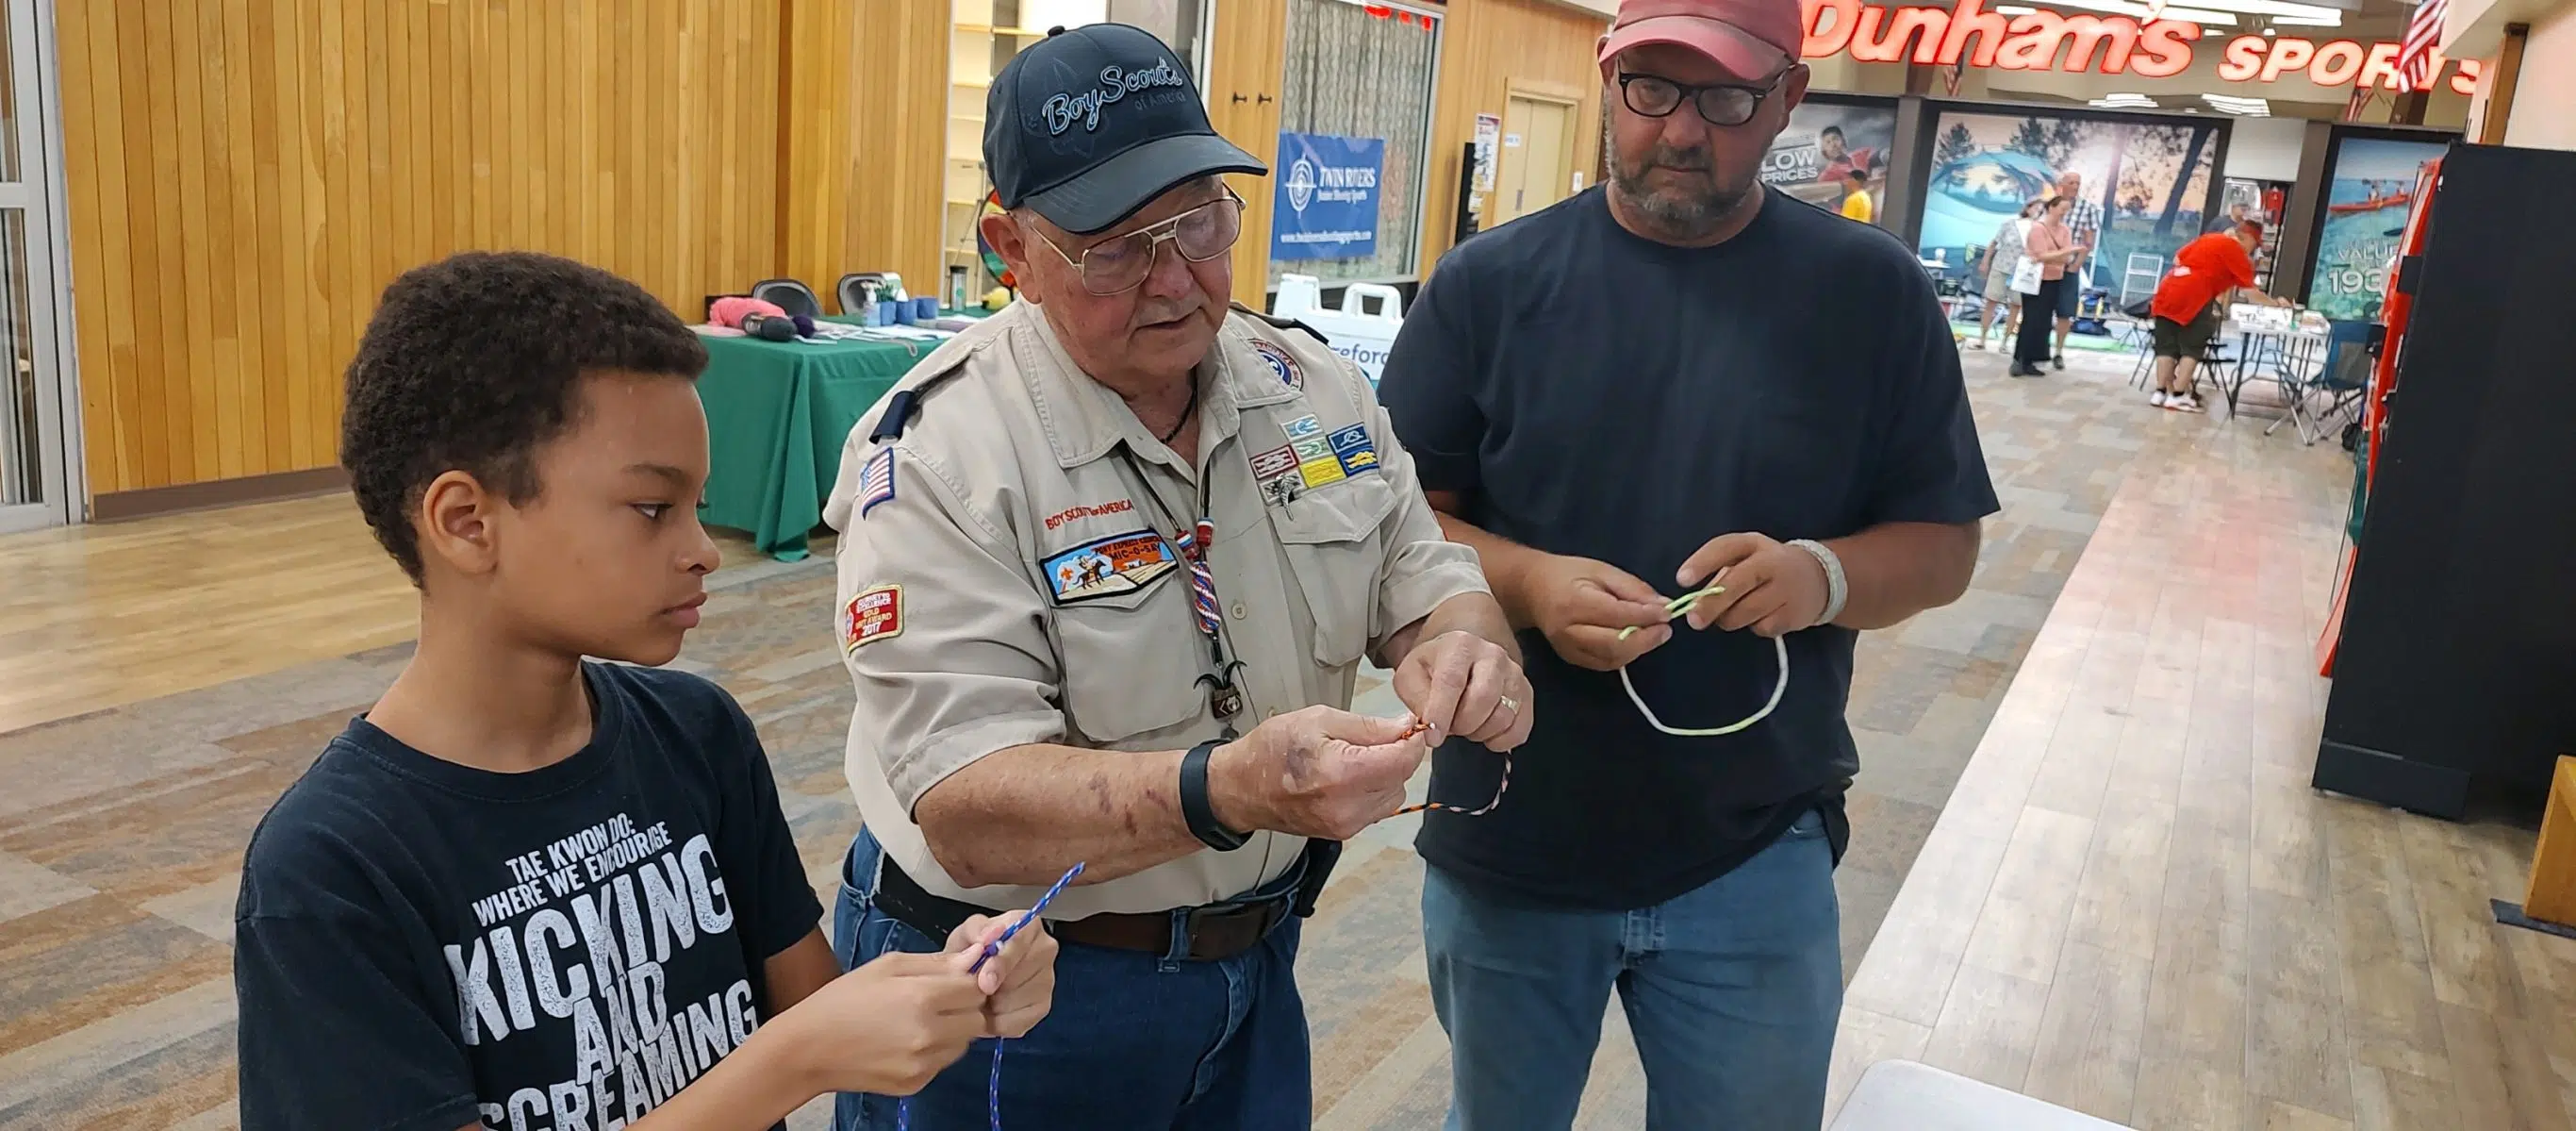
(2209, 15)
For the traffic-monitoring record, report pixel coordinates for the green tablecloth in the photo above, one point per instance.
(777, 414)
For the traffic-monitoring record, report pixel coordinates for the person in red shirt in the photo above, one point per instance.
(2191, 303)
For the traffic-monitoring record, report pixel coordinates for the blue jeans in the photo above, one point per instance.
(1732, 992)
(1133, 1042)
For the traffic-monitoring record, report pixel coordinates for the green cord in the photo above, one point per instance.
(1682, 605)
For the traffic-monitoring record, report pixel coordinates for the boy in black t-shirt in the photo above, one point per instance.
(531, 891)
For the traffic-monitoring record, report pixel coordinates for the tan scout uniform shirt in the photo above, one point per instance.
(1006, 577)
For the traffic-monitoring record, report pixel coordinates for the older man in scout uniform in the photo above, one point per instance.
(1110, 560)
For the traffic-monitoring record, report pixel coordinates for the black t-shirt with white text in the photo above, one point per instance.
(421, 946)
(1589, 392)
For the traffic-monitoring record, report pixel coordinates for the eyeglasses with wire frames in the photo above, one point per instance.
(1719, 104)
(1120, 263)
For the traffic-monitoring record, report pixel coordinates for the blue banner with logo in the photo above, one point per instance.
(1326, 205)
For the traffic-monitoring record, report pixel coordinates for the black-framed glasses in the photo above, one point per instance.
(1120, 263)
(1721, 104)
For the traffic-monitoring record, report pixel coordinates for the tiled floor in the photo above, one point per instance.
(121, 829)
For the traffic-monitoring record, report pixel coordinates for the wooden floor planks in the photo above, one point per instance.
(2134, 905)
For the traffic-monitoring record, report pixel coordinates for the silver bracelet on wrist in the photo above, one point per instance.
(1837, 588)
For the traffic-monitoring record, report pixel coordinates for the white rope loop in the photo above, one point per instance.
(1681, 606)
(1779, 648)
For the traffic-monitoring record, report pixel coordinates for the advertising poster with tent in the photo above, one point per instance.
(2151, 180)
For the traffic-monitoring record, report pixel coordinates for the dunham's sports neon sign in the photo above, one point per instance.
(2112, 45)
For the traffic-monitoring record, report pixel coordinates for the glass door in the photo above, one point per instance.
(36, 436)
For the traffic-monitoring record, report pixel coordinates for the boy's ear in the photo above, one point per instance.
(455, 520)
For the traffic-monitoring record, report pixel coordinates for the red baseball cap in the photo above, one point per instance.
(1748, 37)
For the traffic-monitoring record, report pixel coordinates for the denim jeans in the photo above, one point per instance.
(1732, 992)
(1133, 1042)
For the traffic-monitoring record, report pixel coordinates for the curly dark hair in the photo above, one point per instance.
(471, 362)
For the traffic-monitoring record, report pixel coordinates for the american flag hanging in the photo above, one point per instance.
(2416, 53)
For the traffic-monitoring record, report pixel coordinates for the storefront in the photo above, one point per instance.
(2171, 121)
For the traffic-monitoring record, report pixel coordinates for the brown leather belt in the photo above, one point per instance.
(1214, 932)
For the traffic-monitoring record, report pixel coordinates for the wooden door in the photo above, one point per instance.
(1247, 54)
(1539, 171)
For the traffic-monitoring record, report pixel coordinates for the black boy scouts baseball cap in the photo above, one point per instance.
(1089, 125)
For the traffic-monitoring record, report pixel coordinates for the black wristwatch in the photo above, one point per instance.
(1195, 808)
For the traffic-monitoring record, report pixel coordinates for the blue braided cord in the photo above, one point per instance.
(993, 1090)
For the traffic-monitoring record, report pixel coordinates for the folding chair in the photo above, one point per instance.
(789, 295)
(2223, 369)
(2136, 335)
(2141, 275)
(2342, 376)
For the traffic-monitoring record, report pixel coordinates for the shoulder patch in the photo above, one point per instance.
(1282, 365)
(871, 614)
(1106, 567)
(876, 481)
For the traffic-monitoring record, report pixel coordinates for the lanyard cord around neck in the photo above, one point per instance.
(1189, 412)
(1192, 544)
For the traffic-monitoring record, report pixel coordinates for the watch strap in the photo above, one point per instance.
(1196, 810)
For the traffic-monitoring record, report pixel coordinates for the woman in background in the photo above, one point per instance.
(2051, 243)
(2001, 255)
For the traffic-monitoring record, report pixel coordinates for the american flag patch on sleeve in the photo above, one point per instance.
(876, 481)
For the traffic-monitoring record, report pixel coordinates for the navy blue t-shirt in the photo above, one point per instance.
(420, 945)
(1593, 393)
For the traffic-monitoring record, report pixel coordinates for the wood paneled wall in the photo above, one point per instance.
(865, 132)
(1489, 48)
(246, 176)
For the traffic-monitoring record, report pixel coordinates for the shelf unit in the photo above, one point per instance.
(983, 35)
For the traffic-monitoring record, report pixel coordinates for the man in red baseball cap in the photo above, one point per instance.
(1680, 381)
(1736, 62)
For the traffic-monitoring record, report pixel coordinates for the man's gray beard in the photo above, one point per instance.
(1683, 217)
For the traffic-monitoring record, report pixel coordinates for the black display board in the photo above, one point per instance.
(2457, 665)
